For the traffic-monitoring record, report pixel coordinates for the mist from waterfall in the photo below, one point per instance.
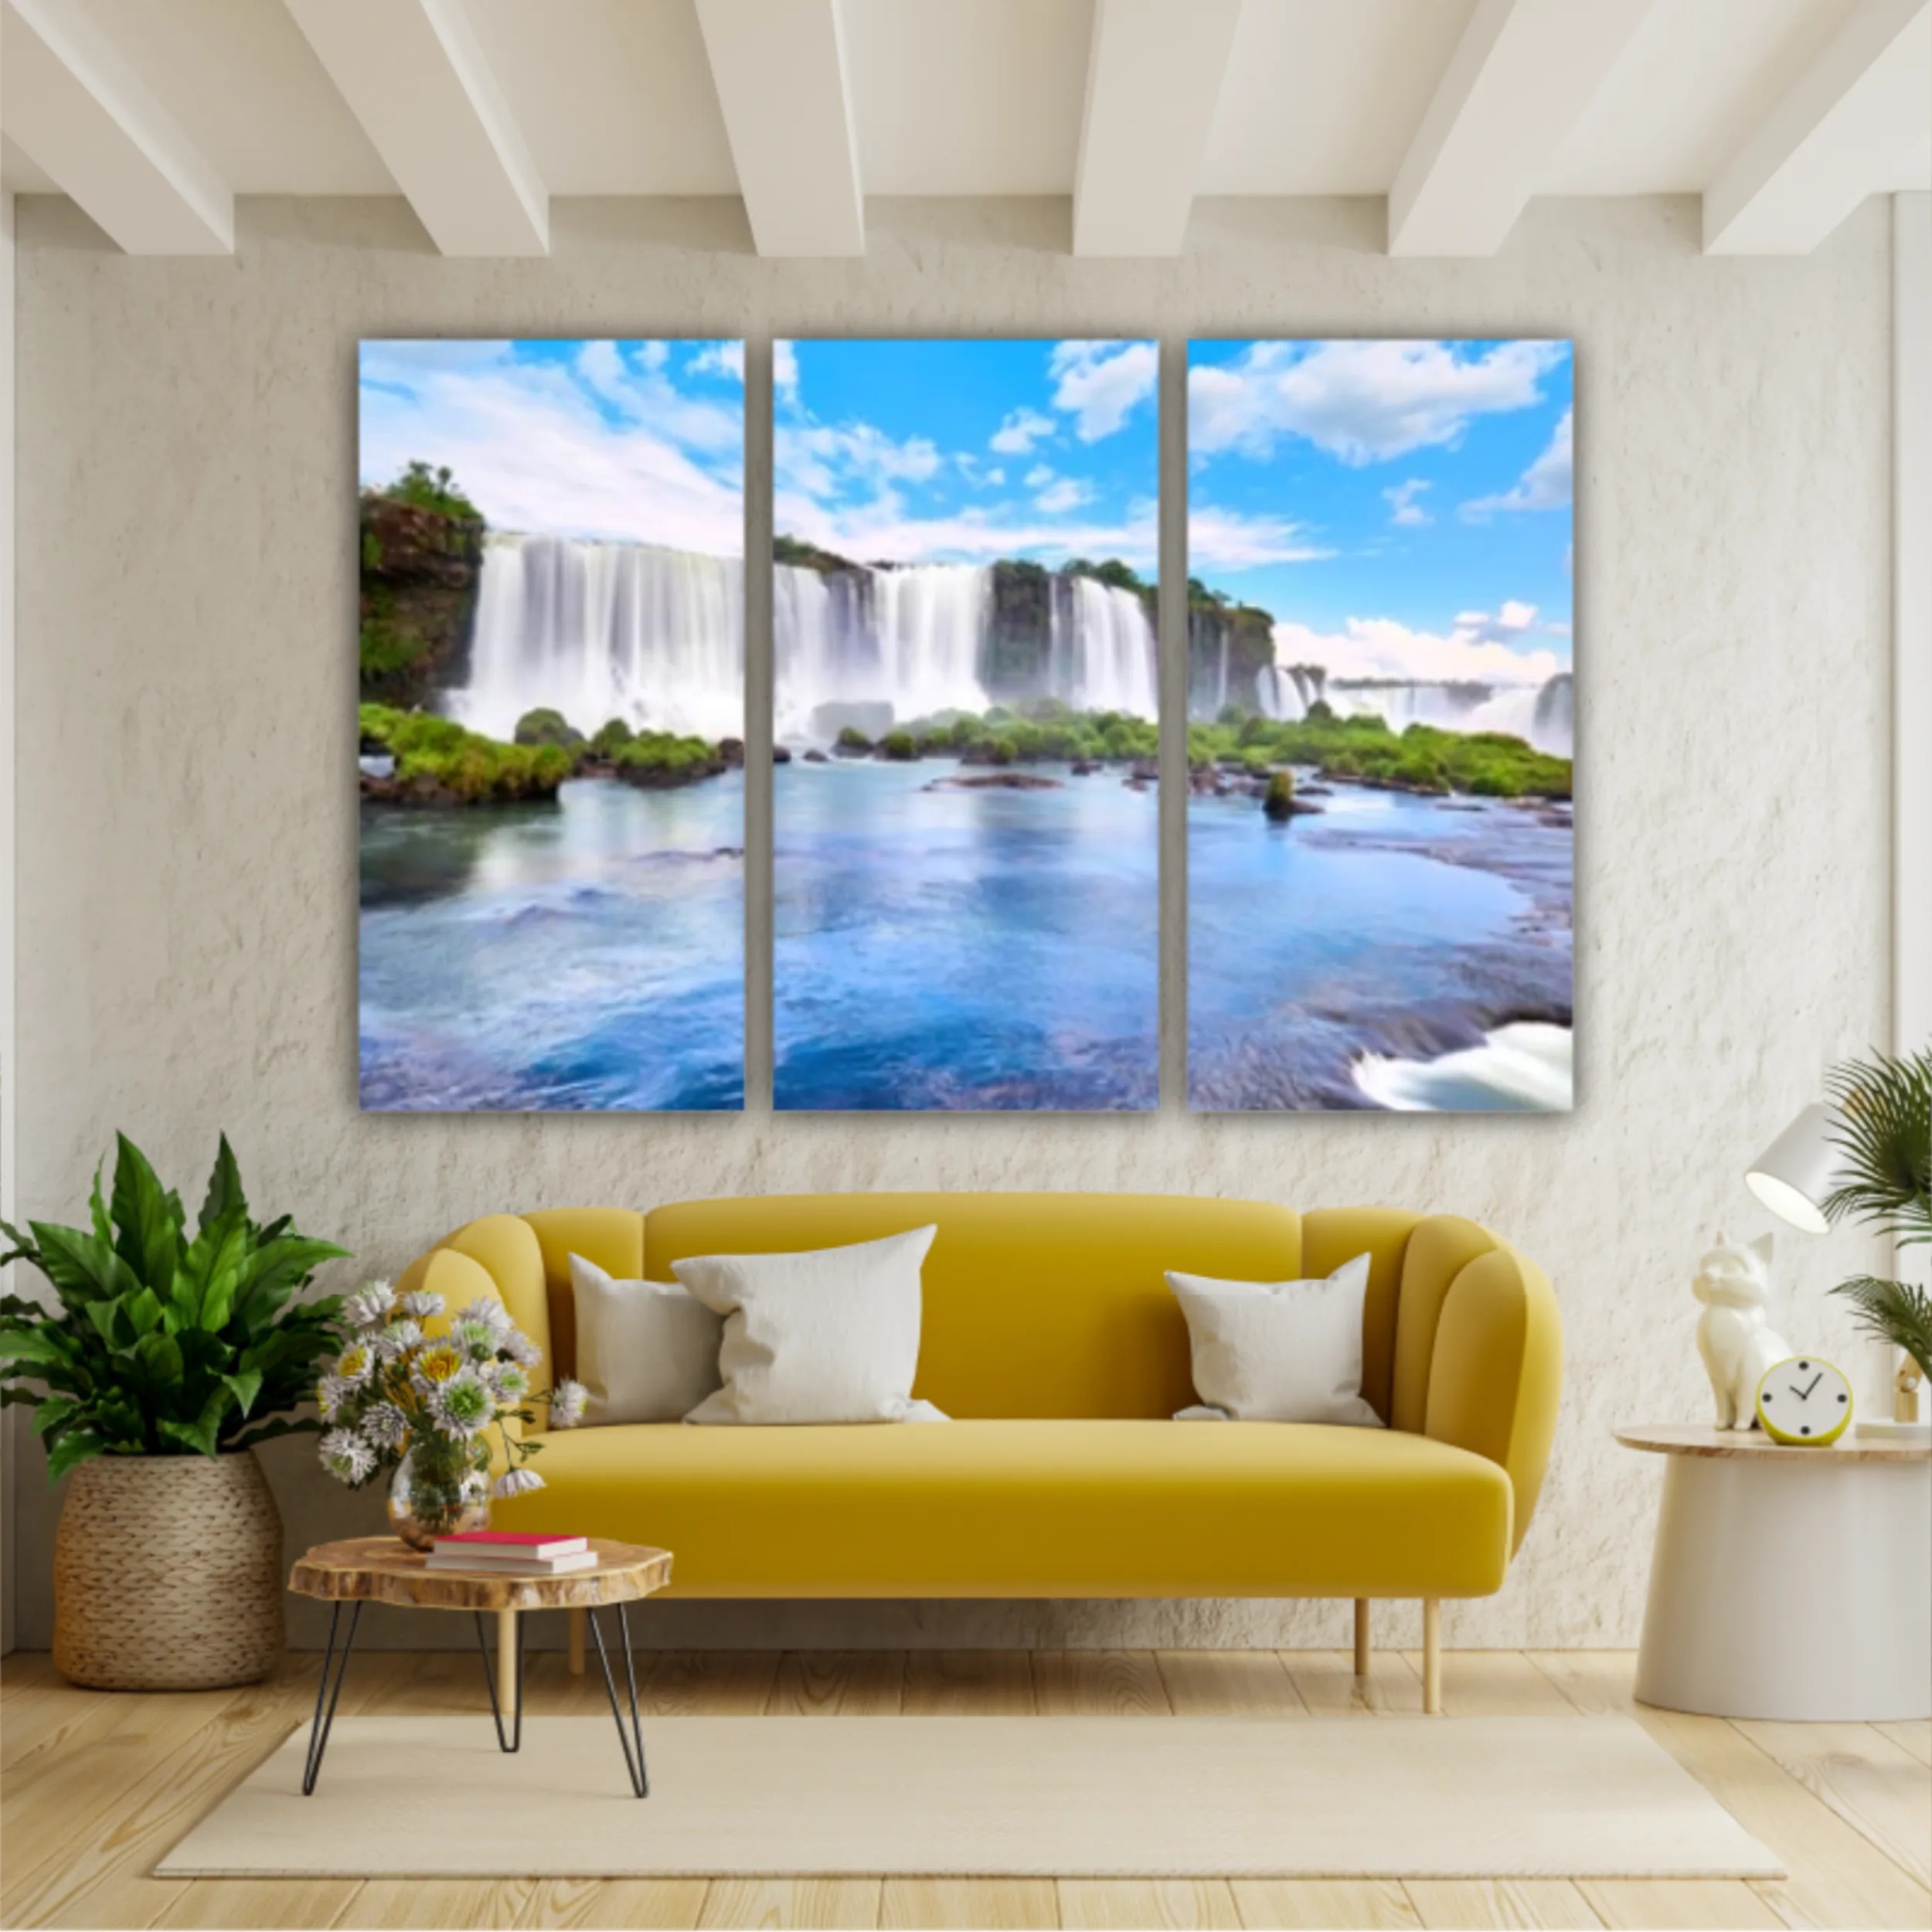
(1541, 715)
(915, 640)
(604, 630)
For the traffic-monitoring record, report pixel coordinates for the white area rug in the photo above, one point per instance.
(1103, 1796)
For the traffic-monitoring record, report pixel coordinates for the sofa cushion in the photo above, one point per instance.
(1036, 1509)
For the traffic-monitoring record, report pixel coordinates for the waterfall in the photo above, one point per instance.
(604, 630)
(911, 642)
(1103, 656)
(1539, 714)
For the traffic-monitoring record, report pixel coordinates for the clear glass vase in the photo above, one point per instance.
(441, 1488)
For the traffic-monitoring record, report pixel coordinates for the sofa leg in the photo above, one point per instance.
(1432, 1655)
(1361, 1637)
(577, 1617)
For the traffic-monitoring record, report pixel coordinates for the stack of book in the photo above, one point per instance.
(512, 1553)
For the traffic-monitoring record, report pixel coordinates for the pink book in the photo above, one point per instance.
(513, 1542)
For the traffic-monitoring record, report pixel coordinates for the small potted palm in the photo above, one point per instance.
(165, 1358)
(1881, 1127)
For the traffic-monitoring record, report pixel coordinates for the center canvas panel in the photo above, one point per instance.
(551, 725)
(967, 821)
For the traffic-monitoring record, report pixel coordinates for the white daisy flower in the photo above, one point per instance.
(511, 1382)
(516, 1482)
(519, 1348)
(567, 1402)
(371, 1305)
(397, 1339)
(477, 1340)
(331, 1392)
(486, 1309)
(346, 1456)
(355, 1364)
(384, 1426)
(420, 1305)
(464, 1405)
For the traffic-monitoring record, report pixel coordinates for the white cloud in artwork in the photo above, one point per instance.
(1472, 651)
(1039, 476)
(884, 531)
(1099, 383)
(1544, 485)
(1362, 402)
(1404, 511)
(719, 359)
(1019, 431)
(598, 444)
(784, 369)
(1230, 540)
(1065, 493)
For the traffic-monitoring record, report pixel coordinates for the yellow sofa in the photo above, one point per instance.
(1051, 1337)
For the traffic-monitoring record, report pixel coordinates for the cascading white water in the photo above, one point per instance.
(1539, 714)
(604, 630)
(913, 640)
(1103, 656)
(1282, 694)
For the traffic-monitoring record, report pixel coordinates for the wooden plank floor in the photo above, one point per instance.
(94, 1788)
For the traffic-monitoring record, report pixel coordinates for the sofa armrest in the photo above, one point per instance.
(1497, 1372)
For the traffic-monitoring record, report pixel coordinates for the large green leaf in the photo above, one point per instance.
(52, 1413)
(202, 1434)
(80, 1265)
(275, 1270)
(34, 1345)
(211, 1269)
(75, 1445)
(149, 1221)
(244, 1388)
(159, 1356)
(97, 1212)
(224, 1187)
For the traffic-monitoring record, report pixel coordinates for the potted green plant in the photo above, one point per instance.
(1882, 1126)
(165, 1357)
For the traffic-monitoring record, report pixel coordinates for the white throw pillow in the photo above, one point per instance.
(1278, 1351)
(647, 1350)
(831, 1336)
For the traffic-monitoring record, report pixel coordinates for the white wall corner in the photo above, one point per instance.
(9, 1418)
(1911, 621)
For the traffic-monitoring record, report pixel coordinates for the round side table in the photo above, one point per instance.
(384, 1570)
(1788, 1582)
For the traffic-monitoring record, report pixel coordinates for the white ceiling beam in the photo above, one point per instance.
(413, 74)
(1154, 74)
(779, 67)
(1518, 81)
(1835, 136)
(76, 107)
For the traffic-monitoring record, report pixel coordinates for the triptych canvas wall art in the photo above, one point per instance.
(967, 725)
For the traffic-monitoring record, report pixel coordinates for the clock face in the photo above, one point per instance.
(1804, 1400)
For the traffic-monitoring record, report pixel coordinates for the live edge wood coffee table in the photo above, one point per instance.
(384, 1570)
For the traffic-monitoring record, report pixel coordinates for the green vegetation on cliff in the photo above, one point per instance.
(1044, 730)
(438, 762)
(422, 555)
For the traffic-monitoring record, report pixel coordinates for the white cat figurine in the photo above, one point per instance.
(1734, 1284)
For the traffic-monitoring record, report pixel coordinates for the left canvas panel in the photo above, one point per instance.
(551, 756)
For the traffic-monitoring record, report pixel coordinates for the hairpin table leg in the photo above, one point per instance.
(325, 1698)
(504, 1665)
(632, 1744)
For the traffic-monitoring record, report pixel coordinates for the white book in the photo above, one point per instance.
(518, 1566)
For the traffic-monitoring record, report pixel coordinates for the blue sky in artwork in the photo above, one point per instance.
(967, 450)
(1420, 491)
(632, 441)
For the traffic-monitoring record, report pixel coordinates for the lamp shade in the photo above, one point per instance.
(1795, 1175)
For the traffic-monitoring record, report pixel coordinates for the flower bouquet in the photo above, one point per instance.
(397, 1399)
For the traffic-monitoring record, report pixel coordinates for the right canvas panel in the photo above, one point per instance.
(1379, 836)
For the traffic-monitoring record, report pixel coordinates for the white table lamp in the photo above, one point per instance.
(1793, 1176)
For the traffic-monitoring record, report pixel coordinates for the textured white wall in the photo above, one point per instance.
(186, 605)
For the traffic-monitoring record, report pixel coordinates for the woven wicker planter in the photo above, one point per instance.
(168, 1573)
